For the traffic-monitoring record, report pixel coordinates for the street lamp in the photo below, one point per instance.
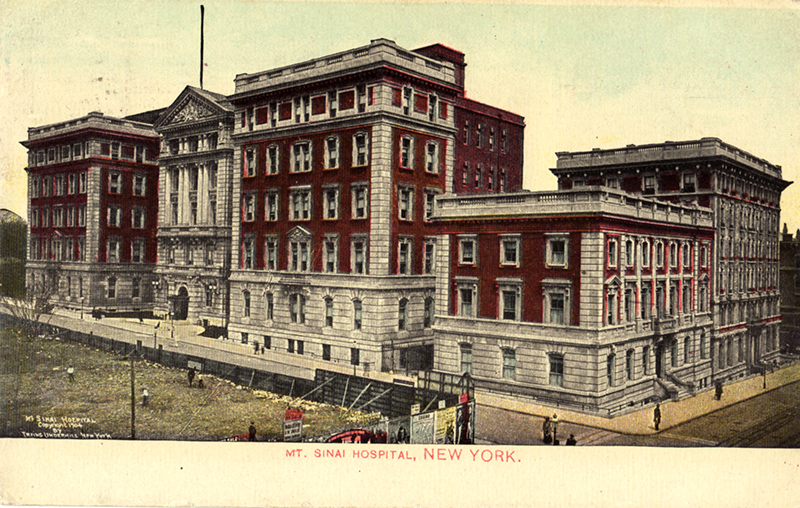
(82, 299)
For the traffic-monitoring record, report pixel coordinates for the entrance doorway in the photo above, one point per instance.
(180, 305)
(659, 360)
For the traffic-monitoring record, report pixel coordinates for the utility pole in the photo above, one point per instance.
(133, 402)
(202, 20)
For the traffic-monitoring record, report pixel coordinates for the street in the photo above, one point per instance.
(767, 420)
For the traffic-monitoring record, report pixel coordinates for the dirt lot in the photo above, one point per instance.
(37, 399)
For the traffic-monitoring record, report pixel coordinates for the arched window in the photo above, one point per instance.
(329, 312)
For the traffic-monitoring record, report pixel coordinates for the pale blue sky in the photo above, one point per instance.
(582, 76)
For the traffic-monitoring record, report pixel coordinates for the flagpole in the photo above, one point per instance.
(202, 19)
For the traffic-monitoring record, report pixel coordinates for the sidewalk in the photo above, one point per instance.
(672, 413)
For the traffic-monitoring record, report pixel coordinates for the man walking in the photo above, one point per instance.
(191, 374)
(657, 415)
(554, 421)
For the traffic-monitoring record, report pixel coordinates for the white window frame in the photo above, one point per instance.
(613, 253)
(302, 158)
(328, 258)
(297, 311)
(139, 185)
(300, 196)
(333, 152)
(114, 182)
(113, 249)
(405, 202)
(114, 216)
(406, 152)
(272, 205)
(140, 213)
(550, 261)
(355, 192)
(356, 137)
(364, 240)
(562, 287)
(505, 240)
(429, 256)
(432, 158)
(273, 163)
(271, 251)
(327, 201)
(467, 285)
(509, 285)
(463, 241)
(249, 207)
(138, 244)
(509, 365)
(405, 243)
(248, 252)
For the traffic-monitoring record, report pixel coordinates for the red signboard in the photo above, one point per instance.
(293, 414)
(464, 397)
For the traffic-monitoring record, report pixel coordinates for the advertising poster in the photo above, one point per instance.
(445, 425)
(422, 428)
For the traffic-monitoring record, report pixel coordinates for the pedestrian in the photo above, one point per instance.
(571, 440)
(255, 346)
(555, 429)
(402, 435)
(191, 374)
(657, 416)
(71, 373)
(252, 431)
(547, 430)
(200, 381)
(718, 390)
(145, 396)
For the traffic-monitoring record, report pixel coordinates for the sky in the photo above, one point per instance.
(583, 76)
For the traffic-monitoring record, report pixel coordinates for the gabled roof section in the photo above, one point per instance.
(192, 105)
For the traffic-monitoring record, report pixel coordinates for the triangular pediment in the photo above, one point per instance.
(192, 105)
(299, 234)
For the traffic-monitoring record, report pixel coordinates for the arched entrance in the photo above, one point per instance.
(180, 304)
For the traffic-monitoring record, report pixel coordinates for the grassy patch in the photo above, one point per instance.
(36, 396)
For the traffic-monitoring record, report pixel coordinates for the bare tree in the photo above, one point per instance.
(35, 307)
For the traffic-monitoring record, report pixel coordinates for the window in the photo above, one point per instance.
(478, 176)
(629, 303)
(430, 310)
(465, 173)
(479, 136)
(138, 217)
(466, 358)
(402, 314)
(357, 314)
(273, 160)
(360, 149)
(300, 203)
(702, 297)
(629, 253)
(270, 298)
(58, 217)
(298, 256)
(646, 360)
(330, 197)
(46, 186)
(112, 287)
(245, 337)
(329, 312)
(610, 361)
(193, 213)
(70, 216)
(427, 255)
(688, 183)
(139, 187)
(297, 304)
(659, 254)
(407, 94)
(248, 253)
(556, 369)
(556, 301)
(686, 249)
(703, 256)
(687, 352)
(194, 178)
(509, 250)
(404, 255)
(114, 183)
(358, 254)
(290, 345)
(71, 184)
(612, 253)
(354, 356)
(326, 352)
(629, 357)
(649, 184)
(272, 205)
(246, 297)
(645, 254)
(467, 250)
(509, 363)
(359, 201)
(510, 302)
(209, 296)
(687, 298)
(249, 206)
(430, 196)
(674, 353)
(81, 249)
(301, 157)
(138, 250)
(466, 132)
(467, 296)
(331, 253)
(59, 185)
(432, 157)
(673, 254)
(557, 250)
(405, 203)
(115, 216)
(332, 152)
(407, 152)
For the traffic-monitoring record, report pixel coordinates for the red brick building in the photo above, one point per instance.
(93, 189)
